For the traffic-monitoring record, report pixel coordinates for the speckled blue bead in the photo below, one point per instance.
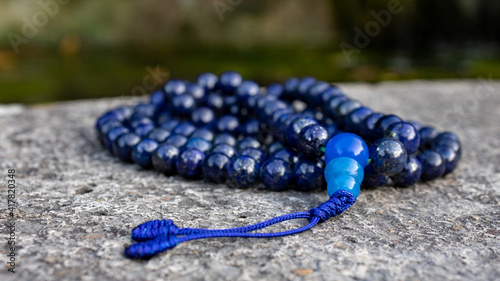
(174, 87)
(410, 174)
(287, 155)
(343, 182)
(262, 101)
(229, 81)
(176, 140)
(203, 133)
(347, 145)
(198, 143)
(196, 91)
(227, 124)
(202, 116)
(248, 142)
(344, 166)
(142, 130)
(406, 134)
(225, 149)
(184, 129)
(207, 80)
(242, 172)
(169, 125)
(433, 165)
(256, 153)
(123, 145)
(312, 140)
(453, 144)
(183, 104)
(373, 179)
(112, 135)
(344, 108)
(159, 135)
(332, 104)
(164, 159)
(367, 128)
(245, 90)
(189, 163)
(427, 135)
(293, 132)
(273, 147)
(215, 167)
(250, 128)
(275, 90)
(136, 121)
(143, 151)
(384, 123)
(352, 122)
(214, 101)
(304, 84)
(313, 97)
(276, 174)
(450, 157)
(225, 139)
(308, 175)
(388, 156)
(270, 109)
(157, 99)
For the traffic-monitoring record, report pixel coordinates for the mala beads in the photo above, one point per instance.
(229, 130)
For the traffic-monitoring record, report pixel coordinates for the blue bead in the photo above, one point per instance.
(123, 145)
(174, 87)
(189, 163)
(214, 101)
(276, 174)
(388, 156)
(184, 129)
(367, 128)
(304, 84)
(290, 87)
(433, 165)
(271, 108)
(415, 124)
(247, 143)
(343, 182)
(344, 108)
(273, 147)
(142, 130)
(410, 174)
(262, 101)
(330, 92)
(313, 97)
(447, 136)
(143, 151)
(183, 104)
(229, 81)
(427, 135)
(332, 130)
(450, 157)
(207, 80)
(250, 128)
(332, 104)
(275, 90)
(245, 90)
(112, 135)
(203, 133)
(106, 127)
(163, 117)
(169, 125)
(136, 121)
(164, 159)
(215, 167)
(308, 175)
(159, 135)
(344, 166)
(202, 116)
(453, 144)
(347, 145)
(176, 140)
(242, 172)
(225, 149)
(352, 121)
(384, 123)
(406, 134)
(198, 143)
(225, 139)
(373, 179)
(196, 91)
(227, 124)
(287, 155)
(158, 99)
(145, 110)
(257, 154)
(296, 126)
(312, 140)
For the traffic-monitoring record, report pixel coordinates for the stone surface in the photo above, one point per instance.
(77, 205)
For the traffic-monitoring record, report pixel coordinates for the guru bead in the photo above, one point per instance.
(344, 166)
(347, 145)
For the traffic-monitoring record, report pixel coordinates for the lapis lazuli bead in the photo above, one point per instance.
(304, 84)
(367, 127)
(275, 90)
(373, 179)
(312, 140)
(308, 175)
(225, 149)
(332, 104)
(410, 174)
(427, 135)
(196, 91)
(250, 128)
(176, 140)
(214, 101)
(112, 135)
(406, 134)
(450, 157)
(203, 133)
(245, 90)
(313, 97)
(276, 174)
(146, 110)
(332, 130)
(433, 165)
(142, 130)
(189, 163)
(388, 156)
(270, 109)
(384, 123)
(184, 129)
(163, 117)
(229, 81)
(227, 124)
(143, 151)
(169, 125)
(287, 155)
(198, 143)
(273, 147)
(215, 167)
(293, 132)
(256, 153)
(225, 139)
(352, 121)
(347, 145)
(159, 135)
(207, 80)
(202, 116)
(183, 104)
(242, 171)
(290, 87)
(343, 182)
(344, 108)
(174, 87)
(158, 99)
(330, 92)
(415, 124)
(164, 158)
(344, 166)
(248, 142)
(122, 147)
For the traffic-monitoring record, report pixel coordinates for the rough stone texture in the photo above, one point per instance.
(77, 204)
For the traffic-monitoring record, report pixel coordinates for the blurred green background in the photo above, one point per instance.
(72, 49)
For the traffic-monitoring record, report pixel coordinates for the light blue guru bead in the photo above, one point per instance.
(343, 182)
(344, 166)
(347, 145)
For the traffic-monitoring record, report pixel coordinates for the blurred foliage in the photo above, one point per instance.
(92, 48)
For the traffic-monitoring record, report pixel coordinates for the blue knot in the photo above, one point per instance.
(153, 229)
(339, 202)
(151, 247)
